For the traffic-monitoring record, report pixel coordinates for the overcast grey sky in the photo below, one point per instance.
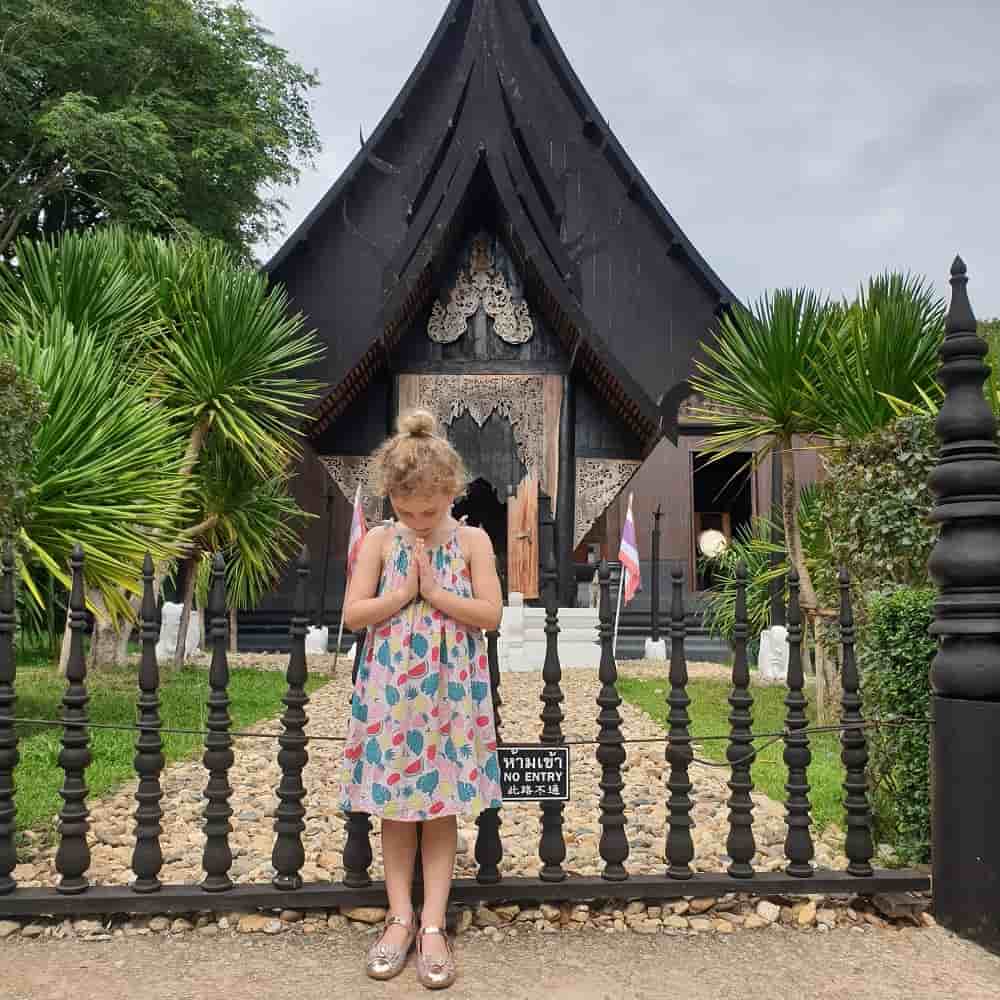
(796, 142)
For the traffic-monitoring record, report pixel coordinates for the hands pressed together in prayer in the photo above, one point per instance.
(420, 580)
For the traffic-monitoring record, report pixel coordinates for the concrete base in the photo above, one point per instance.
(966, 818)
(522, 637)
(656, 650)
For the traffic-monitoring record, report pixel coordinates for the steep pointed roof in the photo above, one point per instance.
(494, 111)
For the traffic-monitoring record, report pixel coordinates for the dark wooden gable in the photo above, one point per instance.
(494, 111)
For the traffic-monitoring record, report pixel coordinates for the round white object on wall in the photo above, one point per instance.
(712, 543)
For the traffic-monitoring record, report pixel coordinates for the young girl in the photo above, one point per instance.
(421, 745)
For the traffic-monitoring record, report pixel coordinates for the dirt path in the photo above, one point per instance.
(776, 965)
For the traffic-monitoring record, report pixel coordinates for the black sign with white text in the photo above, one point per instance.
(534, 773)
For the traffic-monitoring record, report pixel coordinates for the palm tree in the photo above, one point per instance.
(884, 354)
(754, 383)
(106, 470)
(208, 350)
(251, 520)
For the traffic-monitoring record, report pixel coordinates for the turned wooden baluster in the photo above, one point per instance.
(740, 843)
(357, 843)
(858, 846)
(489, 847)
(610, 746)
(288, 855)
(73, 856)
(552, 845)
(8, 735)
(217, 857)
(680, 846)
(798, 842)
(147, 856)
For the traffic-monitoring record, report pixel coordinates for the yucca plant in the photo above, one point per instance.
(251, 520)
(883, 354)
(755, 375)
(106, 471)
(228, 359)
(90, 279)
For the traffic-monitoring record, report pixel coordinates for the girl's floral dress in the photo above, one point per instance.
(422, 741)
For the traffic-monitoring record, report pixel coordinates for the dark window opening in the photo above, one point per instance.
(723, 502)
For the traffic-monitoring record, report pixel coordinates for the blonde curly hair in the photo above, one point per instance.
(417, 459)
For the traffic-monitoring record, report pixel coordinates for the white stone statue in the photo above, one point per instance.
(772, 661)
(316, 640)
(168, 633)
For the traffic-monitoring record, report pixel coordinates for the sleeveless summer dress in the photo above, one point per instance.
(422, 741)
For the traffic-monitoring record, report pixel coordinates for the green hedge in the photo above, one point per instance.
(896, 663)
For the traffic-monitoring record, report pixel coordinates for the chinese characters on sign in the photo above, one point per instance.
(534, 773)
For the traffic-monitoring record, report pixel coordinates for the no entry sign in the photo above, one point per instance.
(534, 773)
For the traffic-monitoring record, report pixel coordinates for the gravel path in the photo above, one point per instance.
(769, 965)
(255, 776)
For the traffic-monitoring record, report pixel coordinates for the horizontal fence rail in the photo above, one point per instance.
(146, 894)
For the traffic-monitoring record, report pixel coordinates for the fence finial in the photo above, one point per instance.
(964, 674)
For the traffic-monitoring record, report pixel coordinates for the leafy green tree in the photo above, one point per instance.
(168, 116)
(22, 410)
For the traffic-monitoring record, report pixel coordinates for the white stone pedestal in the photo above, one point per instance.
(656, 650)
(522, 637)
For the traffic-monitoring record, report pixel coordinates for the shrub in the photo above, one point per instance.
(896, 682)
(875, 505)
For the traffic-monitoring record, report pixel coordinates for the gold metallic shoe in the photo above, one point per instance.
(386, 960)
(435, 973)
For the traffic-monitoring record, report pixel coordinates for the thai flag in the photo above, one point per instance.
(628, 556)
(358, 531)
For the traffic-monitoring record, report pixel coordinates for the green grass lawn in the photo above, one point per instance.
(709, 711)
(253, 694)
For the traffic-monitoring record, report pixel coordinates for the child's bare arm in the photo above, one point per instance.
(361, 607)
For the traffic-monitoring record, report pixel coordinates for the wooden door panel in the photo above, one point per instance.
(522, 539)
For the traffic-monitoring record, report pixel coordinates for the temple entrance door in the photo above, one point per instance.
(482, 508)
(522, 539)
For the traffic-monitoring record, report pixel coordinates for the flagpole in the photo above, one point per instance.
(621, 584)
(618, 612)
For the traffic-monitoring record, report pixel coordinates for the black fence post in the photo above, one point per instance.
(613, 846)
(147, 856)
(73, 856)
(679, 754)
(288, 855)
(552, 845)
(357, 844)
(8, 735)
(965, 674)
(217, 857)
(858, 843)
(798, 841)
(741, 754)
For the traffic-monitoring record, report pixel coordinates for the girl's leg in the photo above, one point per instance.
(399, 850)
(437, 848)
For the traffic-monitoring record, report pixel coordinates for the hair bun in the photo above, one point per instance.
(418, 423)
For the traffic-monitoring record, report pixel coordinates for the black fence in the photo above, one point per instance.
(75, 894)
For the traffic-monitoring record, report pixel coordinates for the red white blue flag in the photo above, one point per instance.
(359, 528)
(628, 556)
